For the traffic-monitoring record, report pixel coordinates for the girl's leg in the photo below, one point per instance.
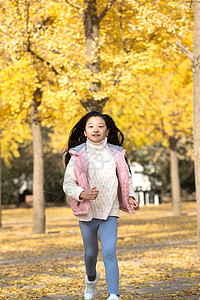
(108, 237)
(90, 241)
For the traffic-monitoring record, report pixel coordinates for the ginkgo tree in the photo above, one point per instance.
(67, 55)
(159, 104)
(28, 47)
(22, 88)
(162, 113)
(195, 64)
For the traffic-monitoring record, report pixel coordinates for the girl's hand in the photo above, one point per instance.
(133, 203)
(90, 194)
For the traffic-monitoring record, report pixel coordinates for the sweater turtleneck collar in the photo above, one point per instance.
(96, 146)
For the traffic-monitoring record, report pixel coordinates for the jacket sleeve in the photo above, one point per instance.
(70, 186)
(131, 189)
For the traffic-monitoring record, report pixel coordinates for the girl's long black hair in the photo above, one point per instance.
(77, 136)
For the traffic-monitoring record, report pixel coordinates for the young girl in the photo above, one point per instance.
(98, 182)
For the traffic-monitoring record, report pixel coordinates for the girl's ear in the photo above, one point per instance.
(107, 132)
(85, 134)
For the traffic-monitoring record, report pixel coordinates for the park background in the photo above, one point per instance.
(131, 59)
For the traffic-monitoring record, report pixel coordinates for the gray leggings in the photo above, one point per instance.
(108, 237)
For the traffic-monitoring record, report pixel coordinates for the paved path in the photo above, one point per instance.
(156, 291)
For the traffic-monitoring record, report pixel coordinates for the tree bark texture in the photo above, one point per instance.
(38, 168)
(0, 186)
(90, 104)
(196, 109)
(91, 27)
(174, 174)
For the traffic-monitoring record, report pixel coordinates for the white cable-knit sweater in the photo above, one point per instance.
(102, 175)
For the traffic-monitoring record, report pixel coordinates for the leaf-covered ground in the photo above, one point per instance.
(157, 256)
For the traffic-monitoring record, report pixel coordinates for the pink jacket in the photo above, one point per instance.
(81, 170)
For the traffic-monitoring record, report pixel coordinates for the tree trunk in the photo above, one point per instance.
(174, 173)
(38, 167)
(0, 186)
(91, 27)
(196, 109)
(90, 104)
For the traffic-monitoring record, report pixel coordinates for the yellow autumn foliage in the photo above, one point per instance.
(156, 251)
(141, 70)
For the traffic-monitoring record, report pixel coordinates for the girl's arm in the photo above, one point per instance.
(133, 197)
(70, 186)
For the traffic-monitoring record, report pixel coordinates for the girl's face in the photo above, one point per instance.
(96, 129)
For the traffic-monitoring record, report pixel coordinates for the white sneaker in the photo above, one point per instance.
(113, 297)
(91, 287)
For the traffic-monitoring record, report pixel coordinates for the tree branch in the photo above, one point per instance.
(145, 6)
(75, 63)
(29, 43)
(74, 6)
(106, 9)
(43, 60)
(27, 22)
(184, 50)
